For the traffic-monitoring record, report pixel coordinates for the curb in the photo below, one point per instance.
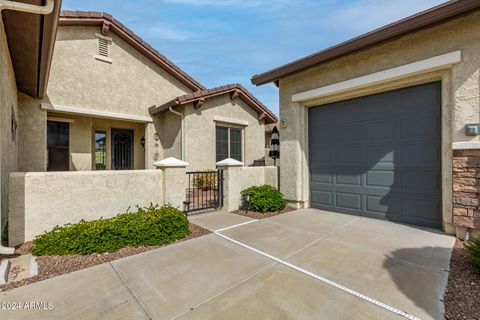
(4, 270)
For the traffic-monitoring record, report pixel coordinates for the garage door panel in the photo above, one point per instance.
(383, 158)
(324, 198)
(419, 128)
(419, 155)
(349, 201)
(348, 178)
(380, 178)
(384, 206)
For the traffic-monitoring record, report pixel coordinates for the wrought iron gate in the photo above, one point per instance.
(205, 191)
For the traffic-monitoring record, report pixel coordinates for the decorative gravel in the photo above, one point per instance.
(53, 266)
(259, 215)
(462, 297)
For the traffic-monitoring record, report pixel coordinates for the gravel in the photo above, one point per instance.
(53, 266)
(462, 297)
(259, 215)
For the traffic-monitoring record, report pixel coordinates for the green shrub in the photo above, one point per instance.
(151, 226)
(473, 250)
(263, 199)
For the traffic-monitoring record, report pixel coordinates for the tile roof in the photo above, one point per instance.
(243, 94)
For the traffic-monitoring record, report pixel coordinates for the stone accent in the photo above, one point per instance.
(466, 188)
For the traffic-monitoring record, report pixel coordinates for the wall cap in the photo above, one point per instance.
(466, 145)
(229, 162)
(170, 162)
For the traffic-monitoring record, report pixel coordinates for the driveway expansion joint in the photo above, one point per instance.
(124, 282)
(318, 277)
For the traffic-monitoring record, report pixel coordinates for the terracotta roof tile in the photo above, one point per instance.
(245, 95)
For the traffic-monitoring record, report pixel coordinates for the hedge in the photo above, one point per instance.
(263, 199)
(150, 226)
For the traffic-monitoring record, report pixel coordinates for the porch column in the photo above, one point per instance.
(232, 171)
(174, 181)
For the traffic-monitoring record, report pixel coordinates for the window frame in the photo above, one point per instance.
(229, 141)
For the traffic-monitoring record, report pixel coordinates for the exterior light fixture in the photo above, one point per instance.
(142, 142)
(472, 129)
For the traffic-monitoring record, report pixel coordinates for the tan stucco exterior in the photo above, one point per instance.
(460, 95)
(128, 85)
(199, 126)
(8, 109)
(41, 200)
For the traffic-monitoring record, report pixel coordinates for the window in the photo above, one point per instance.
(228, 143)
(100, 150)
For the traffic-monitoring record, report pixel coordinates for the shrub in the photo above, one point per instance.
(473, 250)
(150, 226)
(205, 181)
(263, 199)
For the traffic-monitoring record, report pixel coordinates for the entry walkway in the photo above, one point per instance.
(213, 277)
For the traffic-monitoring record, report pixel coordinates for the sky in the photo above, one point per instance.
(219, 42)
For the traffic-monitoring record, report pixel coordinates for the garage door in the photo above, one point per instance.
(379, 156)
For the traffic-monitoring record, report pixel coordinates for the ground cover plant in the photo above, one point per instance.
(149, 226)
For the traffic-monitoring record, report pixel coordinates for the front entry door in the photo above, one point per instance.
(58, 146)
(122, 149)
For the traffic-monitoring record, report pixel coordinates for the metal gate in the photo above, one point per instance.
(205, 191)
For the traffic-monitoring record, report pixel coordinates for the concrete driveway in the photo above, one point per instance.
(307, 264)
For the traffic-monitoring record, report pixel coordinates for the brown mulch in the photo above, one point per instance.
(462, 297)
(259, 215)
(53, 266)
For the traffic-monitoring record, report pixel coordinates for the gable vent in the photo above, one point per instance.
(103, 47)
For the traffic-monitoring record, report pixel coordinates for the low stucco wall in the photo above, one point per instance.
(237, 179)
(39, 201)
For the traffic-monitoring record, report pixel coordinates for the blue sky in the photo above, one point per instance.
(227, 41)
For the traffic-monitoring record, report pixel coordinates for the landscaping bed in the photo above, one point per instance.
(260, 215)
(462, 297)
(53, 266)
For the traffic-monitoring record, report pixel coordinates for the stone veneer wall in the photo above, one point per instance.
(466, 188)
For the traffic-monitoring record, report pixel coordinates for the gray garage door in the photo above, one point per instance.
(379, 156)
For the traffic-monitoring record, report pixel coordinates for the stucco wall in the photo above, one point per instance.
(8, 108)
(130, 85)
(40, 201)
(237, 179)
(460, 94)
(200, 126)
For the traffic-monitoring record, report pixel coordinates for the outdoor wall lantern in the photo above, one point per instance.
(142, 142)
(472, 129)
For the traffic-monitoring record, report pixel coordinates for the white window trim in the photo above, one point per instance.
(436, 63)
(242, 136)
(234, 121)
(95, 113)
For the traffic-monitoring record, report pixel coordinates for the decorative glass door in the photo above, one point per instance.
(122, 149)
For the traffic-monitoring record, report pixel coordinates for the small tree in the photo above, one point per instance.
(473, 250)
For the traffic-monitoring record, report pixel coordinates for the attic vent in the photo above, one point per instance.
(103, 47)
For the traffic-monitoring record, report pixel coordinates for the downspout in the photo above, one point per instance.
(23, 7)
(182, 129)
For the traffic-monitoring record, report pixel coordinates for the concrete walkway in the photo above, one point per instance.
(215, 278)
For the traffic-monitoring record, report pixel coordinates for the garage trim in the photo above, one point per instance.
(436, 63)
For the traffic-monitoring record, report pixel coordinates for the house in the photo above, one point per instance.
(95, 114)
(386, 125)
(84, 146)
(26, 40)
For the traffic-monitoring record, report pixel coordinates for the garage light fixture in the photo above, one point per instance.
(472, 129)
